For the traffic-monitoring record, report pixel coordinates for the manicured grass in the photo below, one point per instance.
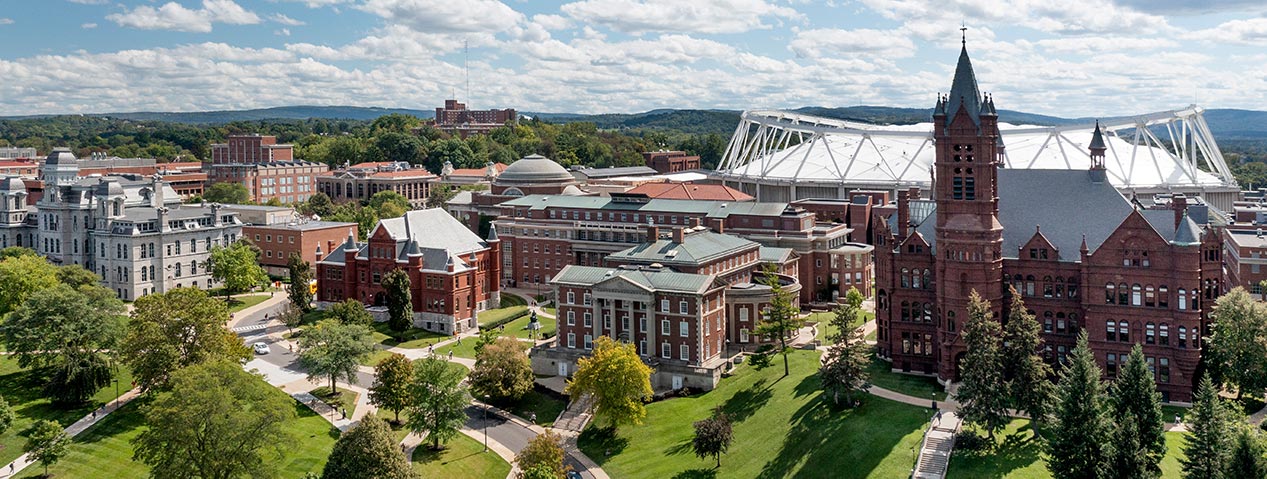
(23, 391)
(239, 303)
(461, 457)
(467, 348)
(550, 311)
(1168, 412)
(509, 300)
(783, 427)
(921, 387)
(106, 449)
(414, 338)
(519, 327)
(345, 398)
(825, 329)
(546, 406)
(492, 315)
(1019, 456)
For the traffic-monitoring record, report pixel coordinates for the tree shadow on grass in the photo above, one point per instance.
(599, 443)
(684, 447)
(710, 473)
(826, 442)
(1016, 451)
(746, 402)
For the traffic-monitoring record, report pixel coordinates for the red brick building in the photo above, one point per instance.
(267, 169)
(666, 162)
(1081, 256)
(454, 118)
(311, 240)
(453, 273)
(361, 181)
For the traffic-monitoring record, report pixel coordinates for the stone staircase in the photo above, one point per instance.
(939, 442)
(577, 415)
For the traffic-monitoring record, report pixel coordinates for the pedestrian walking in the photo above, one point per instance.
(450, 355)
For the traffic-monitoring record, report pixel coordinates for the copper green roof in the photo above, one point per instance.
(661, 280)
(695, 249)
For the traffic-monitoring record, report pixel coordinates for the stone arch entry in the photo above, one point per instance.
(380, 299)
(958, 362)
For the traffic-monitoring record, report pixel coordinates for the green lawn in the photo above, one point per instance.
(22, 390)
(883, 376)
(414, 338)
(825, 328)
(492, 315)
(239, 303)
(783, 427)
(1019, 456)
(546, 406)
(462, 457)
(106, 449)
(550, 311)
(519, 327)
(509, 300)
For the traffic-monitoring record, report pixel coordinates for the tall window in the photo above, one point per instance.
(1183, 337)
(1183, 299)
(1164, 336)
(1123, 331)
(572, 340)
(1110, 331)
(684, 352)
(1150, 333)
(1136, 296)
(1110, 293)
(1110, 364)
(571, 318)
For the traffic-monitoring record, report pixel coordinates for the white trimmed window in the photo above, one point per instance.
(589, 342)
(665, 351)
(664, 327)
(664, 305)
(681, 307)
(743, 314)
(684, 329)
(642, 347)
(684, 352)
(743, 335)
(571, 318)
(572, 340)
(589, 320)
(571, 297)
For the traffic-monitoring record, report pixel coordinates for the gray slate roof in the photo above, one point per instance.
(769, 254)
(433, 233)
(662, 280)
(695, 248)
(964, 91)
(596, 173)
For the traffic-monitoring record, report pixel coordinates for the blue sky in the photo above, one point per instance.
(1067, 58)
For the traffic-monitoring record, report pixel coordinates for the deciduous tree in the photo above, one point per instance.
(76, 276)
(438, 401)
(439, 195)
(6, 415)
(502, 371)
(1078, 444)
(319, 204)
(982, 392)
(300, 291)
(46, 443)
(712, 436)
(69, 334)
(368, 451)
(227, 193)
(215, 421)
(1029, 388)
(1205, 454)
(351, 311)
(617, 379)
(237, 267)
(333, 350)
(400, 307)
(389, 204)
(21, 275)
(290, 316)
(1237, 353)
(542, 458)
(1139, 440)
(392, 377)
(179, 328)
(782, 319)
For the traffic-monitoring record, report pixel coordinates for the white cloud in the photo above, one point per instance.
(88, 26)
(864, 42)
(6, 21)
(1251, 31)
(446, 16)
(318, 3)
(90, 2)
(174, 16)
(698, 16)
(284, 20)
(1070, 17)
(551, 22)
(284, 32)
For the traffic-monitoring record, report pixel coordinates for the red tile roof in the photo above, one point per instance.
(500, 167)
(690, 191)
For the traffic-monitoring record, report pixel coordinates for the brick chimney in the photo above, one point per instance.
(903, 214)
(718, 225)
(653, 233)
(679, 234)
(1179, 202)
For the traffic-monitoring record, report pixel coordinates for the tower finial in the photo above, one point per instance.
(963, 30)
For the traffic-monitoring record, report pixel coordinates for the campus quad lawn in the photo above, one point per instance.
(509, 300)
(547, 406)
(106, 449)
(923, 387)
(783, 427)
(414, 338)
(23, 392)
(461, 457)
(489, 316)
(519, 327)
(239, 303)
(1019, 456)
(467, 348)
(825, 329)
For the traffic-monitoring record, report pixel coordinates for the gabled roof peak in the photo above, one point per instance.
(964, 92)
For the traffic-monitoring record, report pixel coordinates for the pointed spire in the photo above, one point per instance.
(1097, 138)
(350, 244)
(1084, 248)
(492, 234)
(413, 249)
(963, 90)
(1187, 234)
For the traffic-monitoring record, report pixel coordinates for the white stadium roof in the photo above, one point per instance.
(1159, 151)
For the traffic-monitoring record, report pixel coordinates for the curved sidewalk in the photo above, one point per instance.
(74, 430)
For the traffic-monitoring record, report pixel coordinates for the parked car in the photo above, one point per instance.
(260, 348)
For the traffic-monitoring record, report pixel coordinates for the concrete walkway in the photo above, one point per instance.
(74, 430)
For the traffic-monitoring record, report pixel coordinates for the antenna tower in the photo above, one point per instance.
(466, 71)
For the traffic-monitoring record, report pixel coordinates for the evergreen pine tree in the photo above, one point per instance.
(1139, 440)
(1209, 435)
(982, 392)
(1029, 388)
(1078, 439)
(1246, 457)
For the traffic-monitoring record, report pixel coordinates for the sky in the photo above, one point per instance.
(1071, 58)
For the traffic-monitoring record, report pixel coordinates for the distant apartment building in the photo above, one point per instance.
(15, 153)
(455, 119)
(666, 162)
(361, 181)
(25, 168)
(132, 231)
(267, 169)
(453, 273)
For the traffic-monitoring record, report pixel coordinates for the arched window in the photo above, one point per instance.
(1073, 322)
(1110, 330)
(1029, 285)
(915, 280)
(1048, 287)
(1123, 331)
(928, 312)
(1150, 296)
(1196, 303)
(1163, 337)
(1183, 337)
(928, 279)
(1183, 299)
(950, 321)
(882, 300)
(906, 281)
(1018, 282)
(1136, 296)
(906, 311)
(1060, 323)
(1110, 293)
(1123, 294)
(1048, 322)
(1150, 333)
(1060, 287)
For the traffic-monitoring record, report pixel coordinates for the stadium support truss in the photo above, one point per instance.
(784, 156)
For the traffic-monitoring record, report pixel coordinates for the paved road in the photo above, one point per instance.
(254, 328)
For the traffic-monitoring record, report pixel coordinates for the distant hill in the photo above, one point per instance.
(300, 112)
(686, 121)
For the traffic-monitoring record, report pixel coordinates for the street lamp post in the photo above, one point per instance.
(485, 423)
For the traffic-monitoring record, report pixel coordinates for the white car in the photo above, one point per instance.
(260, 348)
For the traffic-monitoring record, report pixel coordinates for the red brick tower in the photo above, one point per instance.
(969, 237)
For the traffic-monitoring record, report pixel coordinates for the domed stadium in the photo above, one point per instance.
(785, 156)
